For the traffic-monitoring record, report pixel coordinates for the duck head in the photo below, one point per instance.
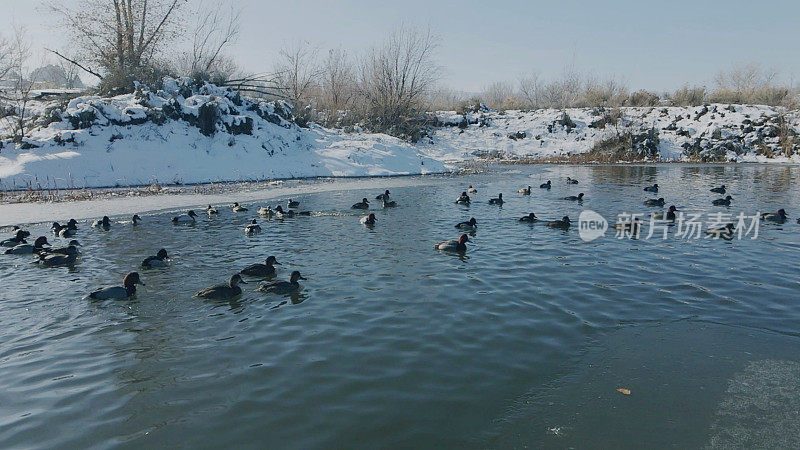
(56, 226)
(131, 280)
(22, 234)
(387, 192)
(73, 224)
(500, 196)
(235, 280)
(655, 185)
(660, 199)
(279, 209)
(106, 221)
(463, 239)
(296, 276)
(253, 222)
(782, 213)
(531, 216)
(40, 242)
(473, 222)
(371, 217)
(271, 260)
(191, 213)
(364, 200)
(464, 194)
(136, 219)
(162, 254)
(672, 208)
(729, 198)
(580, 196)
(565, 219)
(235, 204)
(74, 243)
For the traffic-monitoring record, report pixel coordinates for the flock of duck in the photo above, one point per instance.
(66, 256)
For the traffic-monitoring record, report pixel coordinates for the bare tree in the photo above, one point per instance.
(215, 28)
(337, 85)
(297, 72)
(121, 38)
(396, 77)
(6, 56)
(18, 85)
(530, 90)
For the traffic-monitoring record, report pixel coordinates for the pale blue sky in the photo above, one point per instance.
(656, 45)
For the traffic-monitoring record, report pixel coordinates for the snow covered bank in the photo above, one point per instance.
(720, 133)
(191, 134)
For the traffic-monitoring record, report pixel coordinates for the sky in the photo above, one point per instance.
(655, 45)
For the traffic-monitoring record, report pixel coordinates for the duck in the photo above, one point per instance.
(238, 208)
(574, 198)
(252, 227)
(127, 290)
(266, 212)
(655, 201)
(282, 287)
(210, 210)
(669, 214)
(27, 249)
(384, 196)
(159, 260)
(463, 199)
(562, 223)
(292, 203)
(530, 218)
(363, 204)
(262, 270)
(653, 188)
(389, 203)
(104, 223)
(497, 201)
(225, 291)
(64, 230)
(60, 250)
(525, 191)
(472, 190)
(280, 213)
(779, 216)
(185, 218)
(136, 219)
(571, 181)
(632, 227)
(719, 190)
(459, 245)
(19, 238)
(368, 220)
(723, 231)
(723, 201)
(469, 225)
(59, 259)
(547, 185)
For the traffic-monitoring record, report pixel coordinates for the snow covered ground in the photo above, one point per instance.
(188, 133)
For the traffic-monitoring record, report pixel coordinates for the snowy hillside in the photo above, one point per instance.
(190, 134)
(741, 133)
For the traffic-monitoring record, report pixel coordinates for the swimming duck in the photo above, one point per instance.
(282, 287)
(723, 201)
(574, 198)
(64, 230)
(262, 270)
(497, 201)
(472, 190)
(104, 223)
(59, 259)
(655, 202)
(530, 218)
(719, 190)
(453, 246)
(384, 196)
(280, 213)
(470, 225)
(368, 220)
(136, 219)
(669, 214)
(563, 223)
(19, 238)
(724, 231)
(363, 204)
(292, 204)
(525, 191)
(159, 260)
(223, 291)
(60, 250)
(571, 181)
(389, 203)
(210, 210)
(252, 227)
(463, 199)
(653, 188)
(127, 290)
(185, 218)
(547, 185)
(27, 249)
(779, 216)
(238, 208)
(266, 212)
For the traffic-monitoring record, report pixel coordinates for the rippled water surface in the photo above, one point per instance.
(393, 344)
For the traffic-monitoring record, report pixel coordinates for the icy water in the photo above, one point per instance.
(522, 342)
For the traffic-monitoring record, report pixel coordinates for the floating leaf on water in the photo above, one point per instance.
(624, 391)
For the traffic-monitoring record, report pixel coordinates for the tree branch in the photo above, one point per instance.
(87, 70)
